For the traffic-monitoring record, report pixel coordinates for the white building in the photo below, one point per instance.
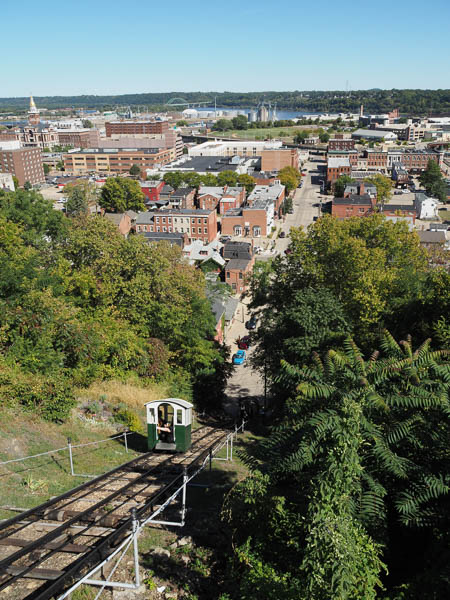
(6, 182)
(426, 208)
(374, 135)
(235, 148)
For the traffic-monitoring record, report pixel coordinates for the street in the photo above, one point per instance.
(245, 383)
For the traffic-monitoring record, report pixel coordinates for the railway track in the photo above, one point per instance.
(45, 549)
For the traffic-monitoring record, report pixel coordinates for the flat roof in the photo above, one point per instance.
(209, 163)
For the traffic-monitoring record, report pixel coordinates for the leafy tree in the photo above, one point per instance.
(308, 320)
(209, 179)
(288, 205)
(324, 137)
(340, 184)
(47, 169)
(77, 200)
(239, 122)
(358, 461)
(135, 171)
(223, 125)
(382, 261)
(174, 179)
(192, 179)
(35, 215)
(300, 137)
(120, 194)
(182, 123)
(87, 124)
(27, 186)
(383, 185)
(247, 181)
(290, 177)
(227, 178)
(60, 165)
(433, 181)
(16, 182)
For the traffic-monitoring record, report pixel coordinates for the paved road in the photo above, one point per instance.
(245, 382)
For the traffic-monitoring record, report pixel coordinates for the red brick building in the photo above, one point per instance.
(88, 138)
(152, 189)
(376, 159)
(341, 144)
(198, 224)
(352, 206)
(24, 163)
(135, 127)
(337, 167)
(232, 198)
(352, 156)
(237, 274)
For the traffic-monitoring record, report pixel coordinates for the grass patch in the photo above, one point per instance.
(116, 392)
(28, 483)
(444, 214)
(284, 133)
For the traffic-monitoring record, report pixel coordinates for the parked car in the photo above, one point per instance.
(288, 251)
(406, 191)
(251, 323)
(282, 234)
(225, 238)
(244, 342)
(239, 357)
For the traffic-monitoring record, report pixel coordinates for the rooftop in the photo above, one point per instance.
(334, 162)
(238, 264)
(355, 200)
(203, 164)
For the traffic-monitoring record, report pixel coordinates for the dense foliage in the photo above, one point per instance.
(353, 482)
(79, 303)
(414, 101)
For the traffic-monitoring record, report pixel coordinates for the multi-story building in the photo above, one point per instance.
(376, 159)
(352, 156)
(208, 197)
(399, 174)
(237, 274)
(6, 182)
(79, 138)
(116, 160)
(166, 140)
(135, 127)
(352, 206)
(246, 148)
(152, 189)
(249, 221)
(274, 160)
(198, 224)
(183, 197)
(337, 167)
(341, 144)
(274, 193)
(233, 197)
(24, 163)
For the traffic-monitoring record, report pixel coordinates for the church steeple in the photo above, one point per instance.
(33, 113)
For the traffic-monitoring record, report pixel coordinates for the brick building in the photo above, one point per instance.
(352, 156)
(237, 273)
(208, 197)
(274, 160)
(376, 159)
(135, 127)
(233, 197)
(24, 163)
(79, 138)
(337, 167)
(352, 206)
(198, 224)
(116, 160)
(121, 220)
(152, 189)
(249, 221)
(183, 197)
(341, 144)
(275, 193)
(398, 210)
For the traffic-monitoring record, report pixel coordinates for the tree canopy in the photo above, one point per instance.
(120, 194)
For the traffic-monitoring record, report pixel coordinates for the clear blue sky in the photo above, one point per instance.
(115, 47)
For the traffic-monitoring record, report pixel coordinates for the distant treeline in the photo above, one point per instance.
(418, 102)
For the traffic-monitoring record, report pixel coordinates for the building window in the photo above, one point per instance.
(240, 276)
(237, 230)
(256, 231)
(205, 230)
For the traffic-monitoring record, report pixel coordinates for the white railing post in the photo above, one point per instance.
(69, 443)
(125, 439)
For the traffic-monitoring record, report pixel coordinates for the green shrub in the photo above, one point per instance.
(127, 417)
